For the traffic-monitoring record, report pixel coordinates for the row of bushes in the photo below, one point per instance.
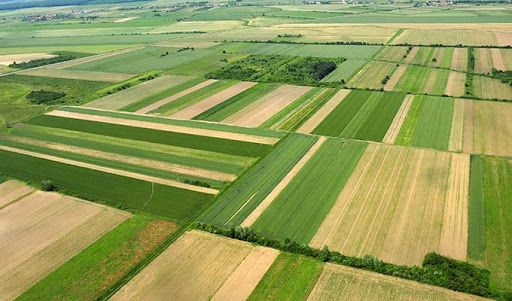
(436, 269)
(42, 62)
(132, 82)
(504, 76)
(44, 96)
(468, 86)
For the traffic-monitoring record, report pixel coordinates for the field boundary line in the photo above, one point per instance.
(166, 127)
(398, 121)
(317, 118)
(256, 213)
(112, 171)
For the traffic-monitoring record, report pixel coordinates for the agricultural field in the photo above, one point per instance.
(490, 88)
(424, 80)
(372, 75)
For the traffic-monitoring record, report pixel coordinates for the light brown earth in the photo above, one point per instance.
(165, 166)
(457, 132)
(93, 58)
(125, 19)
(492, 128)
(282, 185)
(506, 54)
(12, 190)
(455, 85)
(123, 98)
(395, 77)
(172, 98)
(392, 206)
(323, 112)
(399, 119)
(483, 60)
(460, 59)
(246, 277)
(194, 267)
(267, 106)
(348, 284)
(497, 59)
(114, 171)
(41, 231)
(491, 88)
(504, 39)
(167, 127)
(7, 59)
(212, 101)
(412, 54)
(79, 74)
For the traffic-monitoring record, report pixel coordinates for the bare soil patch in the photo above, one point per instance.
(497, 59)
(395, 78)
(460, 59)
(12, 191)
(455, 85)
(8, 59)
(411, 55)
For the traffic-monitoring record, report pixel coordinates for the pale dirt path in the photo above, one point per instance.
(267, 106)
(7, 59)
(212, 101)
(459, 59)
(194, 267)
(93, 58)
(398, 121)
(497, 59)
(239, 286)
(397, 75)
(79, 74)
(113, 171)
(455, 84)
(341, 283)
(310, 125)
(166, 127)
(255, 214)
(27, 273)
(411, 55)
(12, 191)
(467, 145)
(172, 98)
(457, 132)
(454, 235)
(165, 166)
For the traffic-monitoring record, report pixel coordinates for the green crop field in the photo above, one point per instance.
(414, 80)
(371, 76)
(345, 71)
(362, 115)
(301, 207)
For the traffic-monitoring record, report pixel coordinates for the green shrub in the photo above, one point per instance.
(43, 96)
(47, 185)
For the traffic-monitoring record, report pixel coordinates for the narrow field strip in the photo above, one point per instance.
(113, 171)
(398, 121)
(340, 283)
(160, 165)
(457, 132)
(93, 58)
(134, 94)
(459, 59)
(267, 106)
(469, 120)
(497, 60)
(412, 55)
(167, 100)
(246, 277)
(210, 102)
(399, 72)
(492, 128)
(255, 214)
(164, 127)
(323, 112)
(455, 85)
(79, 74)
(12, 190)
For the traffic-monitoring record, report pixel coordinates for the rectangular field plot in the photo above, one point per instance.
(84, 277)
(297, 210)
(79, 74)
(46, 229)
(491, 88)
(134, 94)
(372, 75)
(428, 123)
(12, 190)
(470, 37)
(460, 59)
(422, 80)
(433, 57)
(487, 59)
(362, 115)
(201, 266)
(490, 227)
(400, 204)
(392, 53)
(344, 283)
(344, 71)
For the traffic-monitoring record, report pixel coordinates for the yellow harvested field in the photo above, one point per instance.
(122, 20)
(460, 59)
(8, 59)
(372, 74)
(391, 53)
(136, 93)
(323, 112)
(506, 54)
(395, 204)
(460, 34)
(395, 78)
(45, 229)
(456, 84)
(491, 124)
(206, 26)
(212, 101)
(394, 128)
(412, 54)
(344, 283)
(172, 98)
(167, 127)
(267, 106)
(483, 60)
(79, 74)
(199, 266)
(490, 88)
(12, 190)
(457, 133)
(497, 59)
(282, 185)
